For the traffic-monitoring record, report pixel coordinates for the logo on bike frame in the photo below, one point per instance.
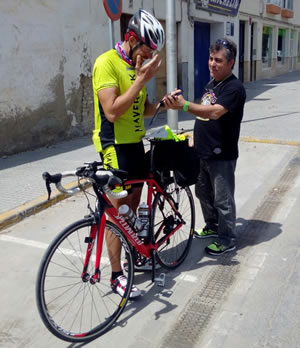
(128, 229)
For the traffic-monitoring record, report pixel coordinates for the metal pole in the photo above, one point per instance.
(111, 34)
(171, 51)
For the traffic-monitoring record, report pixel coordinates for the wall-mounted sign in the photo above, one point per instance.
(229, 29)
(113, 9)
(227, 7)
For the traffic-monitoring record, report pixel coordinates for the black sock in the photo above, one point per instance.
(115, 275)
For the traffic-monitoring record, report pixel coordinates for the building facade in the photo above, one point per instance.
(269, 39)
(47, 51)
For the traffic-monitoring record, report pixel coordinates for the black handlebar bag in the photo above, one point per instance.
(179, 157)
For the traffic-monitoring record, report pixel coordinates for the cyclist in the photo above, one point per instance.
(120, 104)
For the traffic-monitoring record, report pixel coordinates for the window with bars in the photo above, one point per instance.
(288, 4)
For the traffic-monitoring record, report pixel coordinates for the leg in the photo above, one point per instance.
(129, 157)
(205, 193)
(113, 244)
(223, 179)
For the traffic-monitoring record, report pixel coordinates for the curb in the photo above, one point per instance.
(18, 214)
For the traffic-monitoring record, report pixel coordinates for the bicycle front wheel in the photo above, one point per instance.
(72, 306)
(173, 251)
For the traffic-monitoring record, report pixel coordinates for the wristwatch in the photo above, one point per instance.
(186, 106)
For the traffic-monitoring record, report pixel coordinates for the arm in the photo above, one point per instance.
(151, 108)
(114, 104)
(212, 112)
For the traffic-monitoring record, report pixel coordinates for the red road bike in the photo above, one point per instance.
(73, 292)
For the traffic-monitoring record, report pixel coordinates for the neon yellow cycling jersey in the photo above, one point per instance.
(112, 71)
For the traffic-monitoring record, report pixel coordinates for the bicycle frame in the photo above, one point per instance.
(145, 249)
(79, 257)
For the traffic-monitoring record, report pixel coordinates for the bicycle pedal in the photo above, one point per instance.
(160, 280)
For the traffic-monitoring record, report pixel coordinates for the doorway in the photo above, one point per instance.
(241, 51)
(201, 55)
(252, 55)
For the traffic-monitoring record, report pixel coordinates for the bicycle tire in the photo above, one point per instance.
(72, 309)
(174, 250)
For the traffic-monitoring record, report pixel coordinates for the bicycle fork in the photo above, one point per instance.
(97, 230)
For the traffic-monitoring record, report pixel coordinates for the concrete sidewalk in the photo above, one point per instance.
(23, 192)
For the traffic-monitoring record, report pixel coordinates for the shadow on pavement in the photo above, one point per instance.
(45, 152)
(255, 88)
(250, 232)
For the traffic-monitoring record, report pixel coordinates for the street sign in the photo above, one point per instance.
(228, 7)
(113, 9)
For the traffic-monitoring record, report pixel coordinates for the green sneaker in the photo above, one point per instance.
(218, 249)
(205, 233)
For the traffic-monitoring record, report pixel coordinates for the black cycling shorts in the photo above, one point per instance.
(129, 157)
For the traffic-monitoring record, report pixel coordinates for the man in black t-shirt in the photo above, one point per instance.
(216, 134)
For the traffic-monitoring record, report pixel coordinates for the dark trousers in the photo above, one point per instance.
(215, 190)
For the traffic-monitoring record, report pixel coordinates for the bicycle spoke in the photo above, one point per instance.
(165, 220)
(75, 307)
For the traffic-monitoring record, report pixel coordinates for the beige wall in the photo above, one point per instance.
(255, 12)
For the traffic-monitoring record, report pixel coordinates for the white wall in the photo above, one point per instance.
(254, 7)
(30, 49)
(47, 48)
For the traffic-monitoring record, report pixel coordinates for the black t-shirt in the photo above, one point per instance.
(218, 139)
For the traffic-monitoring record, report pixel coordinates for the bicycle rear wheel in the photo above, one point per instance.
(172, 252)
(73, 307)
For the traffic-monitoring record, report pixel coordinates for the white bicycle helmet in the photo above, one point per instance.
(148, 29)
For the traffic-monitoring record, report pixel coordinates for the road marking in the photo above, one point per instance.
(258, 140)
(188, 278)
(270, 141)
(22, 241)
(40, 245)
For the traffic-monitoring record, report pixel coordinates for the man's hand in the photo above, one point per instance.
(145, 72)
(174, 100)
